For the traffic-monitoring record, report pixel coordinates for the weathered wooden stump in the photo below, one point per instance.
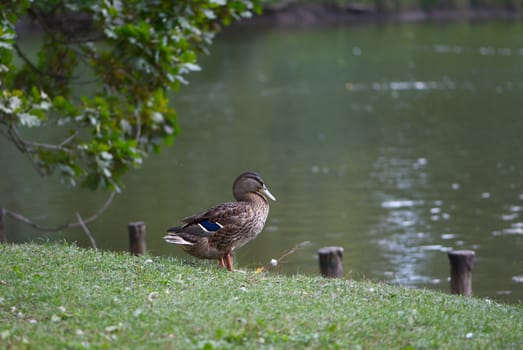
(461, 264)
(137, 238)
(331, 261)
(3, 238)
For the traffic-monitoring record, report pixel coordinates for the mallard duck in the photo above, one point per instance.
(217, 232)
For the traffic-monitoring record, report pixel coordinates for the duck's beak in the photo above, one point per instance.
(266, 192)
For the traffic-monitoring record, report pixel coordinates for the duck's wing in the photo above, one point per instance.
(207, 223)
(218, 217)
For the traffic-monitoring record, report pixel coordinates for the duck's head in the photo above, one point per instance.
(250, 183)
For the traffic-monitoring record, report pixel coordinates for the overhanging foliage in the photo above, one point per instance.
(128, 54)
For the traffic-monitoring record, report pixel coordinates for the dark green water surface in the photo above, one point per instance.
(398, 142)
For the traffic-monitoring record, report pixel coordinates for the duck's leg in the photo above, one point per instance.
(228, 261)
(221, 261)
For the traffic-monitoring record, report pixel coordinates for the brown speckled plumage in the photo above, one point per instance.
(218, 231)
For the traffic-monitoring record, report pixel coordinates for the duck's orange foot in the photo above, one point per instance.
(228, 262)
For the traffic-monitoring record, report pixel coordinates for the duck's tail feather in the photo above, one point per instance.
(174, 238)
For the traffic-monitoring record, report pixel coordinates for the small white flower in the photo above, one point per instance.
(137, 312)
(152, 296)
(469, 335)
(111, 329)
(15, 102)
(106, 155)
(157, 117)
(274, 262)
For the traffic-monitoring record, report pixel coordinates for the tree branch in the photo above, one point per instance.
(14, 136)
(35, 68)
(86, 230)
(50, 147)
(29, 146)
(21, 218)
(69, 139)
(24, 58)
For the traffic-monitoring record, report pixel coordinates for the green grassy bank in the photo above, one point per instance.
(60, 296)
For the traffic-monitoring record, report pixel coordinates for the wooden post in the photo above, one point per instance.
(461, 264)
(331, 261)
(2, 226)
(137, 237)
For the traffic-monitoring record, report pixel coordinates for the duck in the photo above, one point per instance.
(218, 232)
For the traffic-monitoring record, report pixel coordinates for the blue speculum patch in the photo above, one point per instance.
(209, 225)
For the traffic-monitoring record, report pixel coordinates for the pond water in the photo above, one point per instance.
(398, 142)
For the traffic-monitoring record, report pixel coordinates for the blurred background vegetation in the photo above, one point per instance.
(407, 5)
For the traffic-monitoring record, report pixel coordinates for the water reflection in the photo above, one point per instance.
(512, 213)
(483, 50)
(408, 246)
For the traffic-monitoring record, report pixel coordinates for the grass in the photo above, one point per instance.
(60, 296)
